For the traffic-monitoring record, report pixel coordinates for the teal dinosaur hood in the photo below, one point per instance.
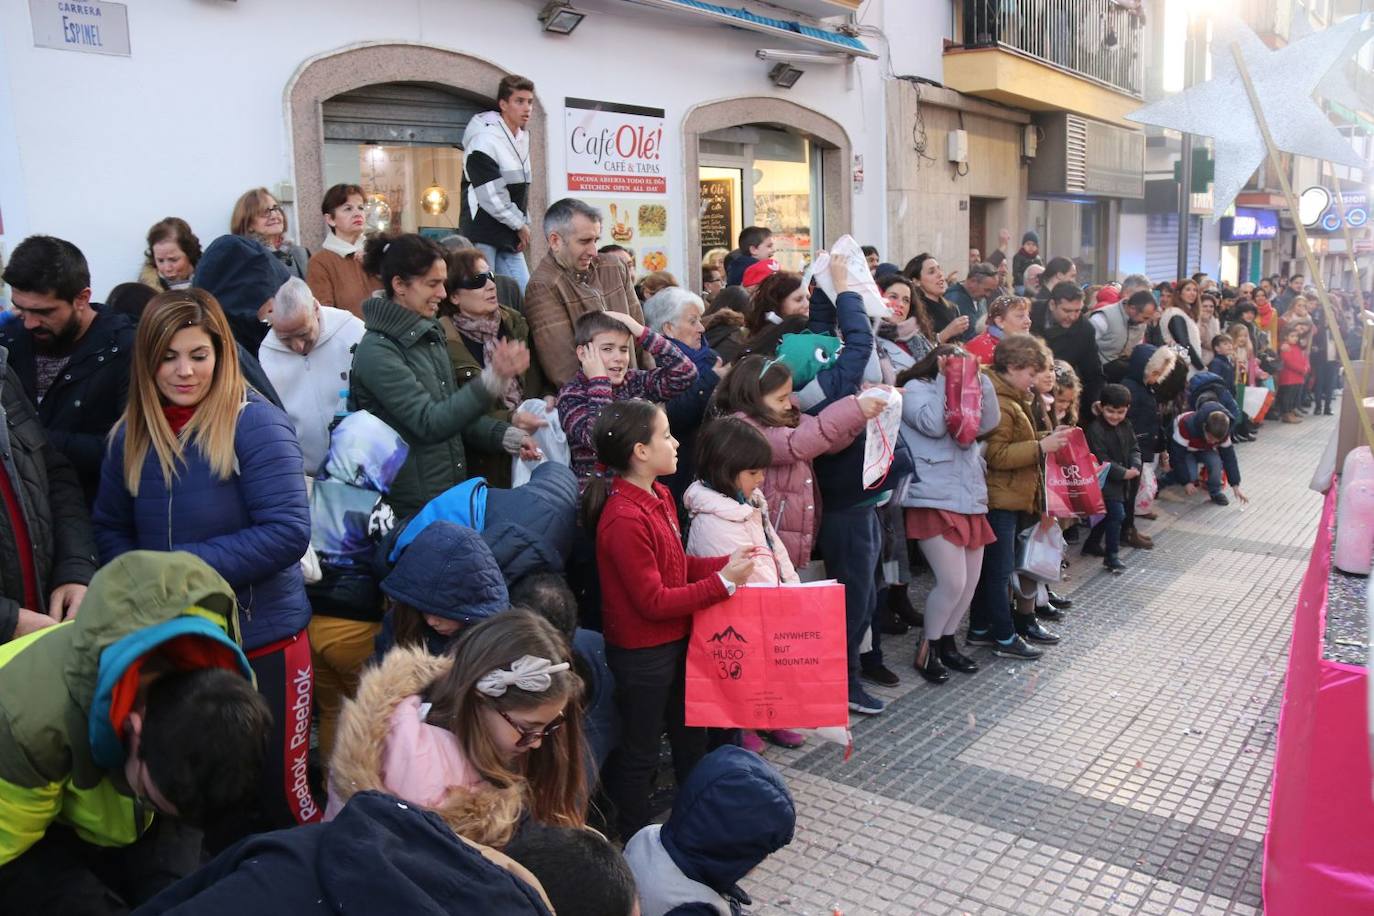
(807, 354)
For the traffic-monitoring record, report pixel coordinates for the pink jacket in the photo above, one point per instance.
(790, 485)
(721, 525)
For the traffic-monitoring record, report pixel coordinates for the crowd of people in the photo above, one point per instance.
(295, 606)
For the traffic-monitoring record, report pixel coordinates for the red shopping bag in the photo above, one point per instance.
(963, 398)
(770, 657)
(1071, 486)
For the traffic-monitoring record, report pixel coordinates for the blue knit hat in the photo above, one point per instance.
(449, 571)
(242, 274)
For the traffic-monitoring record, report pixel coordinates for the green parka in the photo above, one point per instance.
(403, 376)
(66, 690)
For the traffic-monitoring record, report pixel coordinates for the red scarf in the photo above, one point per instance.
(177, 416)
(1266, 312)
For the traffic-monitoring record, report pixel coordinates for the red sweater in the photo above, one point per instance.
(649, 586)
(1295, 365)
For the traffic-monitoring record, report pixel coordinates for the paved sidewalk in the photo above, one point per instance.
(1126, 772)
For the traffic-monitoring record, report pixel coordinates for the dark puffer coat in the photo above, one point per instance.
(50, 497)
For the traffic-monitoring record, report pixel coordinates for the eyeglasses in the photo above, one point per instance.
(275, 208)
(529, 736)
(477, 282)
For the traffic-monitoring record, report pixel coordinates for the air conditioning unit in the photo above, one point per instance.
(957, 146)
(1030, 140)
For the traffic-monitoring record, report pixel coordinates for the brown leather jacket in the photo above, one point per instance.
(555, 298)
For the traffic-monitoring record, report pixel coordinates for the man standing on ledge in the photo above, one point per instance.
(496, 180)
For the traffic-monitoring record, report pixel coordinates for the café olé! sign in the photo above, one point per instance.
(614, 148)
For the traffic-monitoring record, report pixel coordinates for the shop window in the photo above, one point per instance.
(397, 141)
(761, 176)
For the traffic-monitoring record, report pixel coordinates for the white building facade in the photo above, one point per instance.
(214, 97)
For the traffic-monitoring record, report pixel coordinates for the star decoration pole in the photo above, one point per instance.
(1272, 149)
(1284, 80)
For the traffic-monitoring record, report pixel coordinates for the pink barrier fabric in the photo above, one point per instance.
(1319, 846)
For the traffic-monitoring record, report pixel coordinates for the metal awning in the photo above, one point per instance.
(741, 18)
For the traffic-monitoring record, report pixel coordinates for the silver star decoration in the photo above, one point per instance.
(1284, 82)
(1336, 85)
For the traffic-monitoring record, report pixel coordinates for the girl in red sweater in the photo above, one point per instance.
(649, 590)
(1292, 375)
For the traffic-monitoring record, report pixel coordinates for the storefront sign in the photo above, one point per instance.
(614, 148)
(717, 226)
(639, 225)
(93, 26)
(1249, 225)
(1321, 209)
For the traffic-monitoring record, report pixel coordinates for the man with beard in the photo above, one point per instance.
(71, 355)
(571, 281)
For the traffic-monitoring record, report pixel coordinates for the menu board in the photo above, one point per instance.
(717, 228)
(639, 224)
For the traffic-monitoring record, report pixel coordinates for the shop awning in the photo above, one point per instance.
(785, 28)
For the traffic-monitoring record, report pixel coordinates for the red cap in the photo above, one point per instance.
(759, 271)
(1108, 294)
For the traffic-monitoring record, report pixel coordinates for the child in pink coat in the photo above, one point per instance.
(759, 391)
(728, 511)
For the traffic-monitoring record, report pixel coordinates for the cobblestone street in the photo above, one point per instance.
(1126, 772)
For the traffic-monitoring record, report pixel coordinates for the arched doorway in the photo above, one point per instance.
(400, 110)
(766, 161)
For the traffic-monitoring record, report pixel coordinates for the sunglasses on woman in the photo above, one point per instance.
(477, 282)
(529, 736)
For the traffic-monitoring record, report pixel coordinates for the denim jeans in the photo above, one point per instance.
(990, 611)
(1110, 527)
(507, 263)
(1216, 460)
(850, 540)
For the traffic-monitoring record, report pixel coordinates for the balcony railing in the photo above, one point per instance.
(1100, 40)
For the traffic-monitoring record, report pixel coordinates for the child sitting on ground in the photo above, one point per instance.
(1112, 441)
(444, 580)
(728, 511)
(1292, 375)
(484, 736)
(650, 590)
(733, 812)
(1202, 439)
(604, 341)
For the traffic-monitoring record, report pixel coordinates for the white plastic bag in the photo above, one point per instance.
(551, 441)
(882, 432)
(860, 278)
(1149, 486)
(1039, 553)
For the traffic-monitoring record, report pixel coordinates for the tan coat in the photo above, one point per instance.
(340, 281)
(555, 298)
(1016, 466)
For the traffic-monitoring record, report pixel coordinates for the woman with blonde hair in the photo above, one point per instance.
(201, 463)
(258, 216)
(482, 736)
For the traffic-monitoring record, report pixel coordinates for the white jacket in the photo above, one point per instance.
(309, 385)
(721, 525)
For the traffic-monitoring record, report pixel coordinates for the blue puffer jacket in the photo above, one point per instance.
(252, 529)
(1208, 386)
(733, 812)
(840, 476)
(447, 571)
